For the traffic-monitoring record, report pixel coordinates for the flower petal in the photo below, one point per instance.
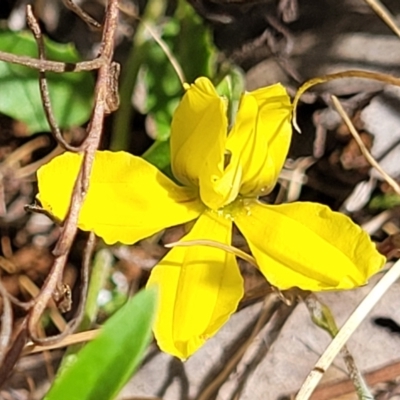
(128, 199)
(198, 136)
(200, 287)
(260, 138)
(309, 246)
(198, 133)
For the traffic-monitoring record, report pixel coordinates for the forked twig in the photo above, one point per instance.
(76, 321)
(347, 330)
(90, 146)
(51, 66)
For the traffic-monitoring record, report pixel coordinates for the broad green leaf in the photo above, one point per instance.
(103, 366)
(71, 93)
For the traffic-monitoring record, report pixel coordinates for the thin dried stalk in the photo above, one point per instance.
(43, 86)
(385, 78)
(82, 14)
(384, 14)
(322, 317)
(167, 51)
(75, 338)
(13, 354)
(212, 243)
(27, 285)
(363, 149)
(76, 321)
(52, 66)
(347, 330)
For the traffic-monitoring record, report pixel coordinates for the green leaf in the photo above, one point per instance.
(191, 44)
(232, 86)
(159, 154)
(384, 201)
(71, 93)
(103, 366)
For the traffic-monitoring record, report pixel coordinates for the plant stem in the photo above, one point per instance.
(322, 317)
(122, 121)
(100, 272)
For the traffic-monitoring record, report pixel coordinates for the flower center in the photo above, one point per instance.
(240, 205)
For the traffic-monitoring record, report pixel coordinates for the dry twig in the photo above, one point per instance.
(384, 14)
(347, 330)
(90, 146)
(53, 283)
(52, 66)
(82, 14)
(43, 86)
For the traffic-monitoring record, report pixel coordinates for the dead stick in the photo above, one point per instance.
(51, 66)
(43, 86)
(90, 145)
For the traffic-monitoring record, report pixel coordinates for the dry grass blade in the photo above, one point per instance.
(322, 316)
(76, 338)
(347, 330)
(30, 169)
(363, 149)
(212, 243)
(27, 285)
(167, 51)
(377, 76)
(384, 14)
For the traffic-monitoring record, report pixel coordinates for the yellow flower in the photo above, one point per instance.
(299, 244)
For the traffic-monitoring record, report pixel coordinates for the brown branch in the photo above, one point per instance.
(75, 322)
(90, 145)
(52, 66)
(43, 86)
(82, 14)
(14, 353)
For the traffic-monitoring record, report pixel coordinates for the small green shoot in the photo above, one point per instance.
(104, 366)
